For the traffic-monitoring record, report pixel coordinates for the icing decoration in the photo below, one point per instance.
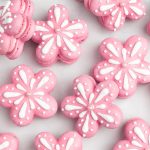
(8, 142)
(28, 95)
(16, 26)
(137, 136)
(113, 13)
(124, 63)
(59, 37)
(92, 105)
(68, 141)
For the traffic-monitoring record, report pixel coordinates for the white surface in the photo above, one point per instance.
(135, 106)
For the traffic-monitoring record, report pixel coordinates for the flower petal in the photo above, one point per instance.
(136, 47)
(86, 126)
(73, 106)
(136, 10)
(114, 21)
(22, 114)
(47, 51)
(110, 117)
(125, 145)
(137, 129)
(77, 30)
(45, 81)
(41, 29)
(9, 94)
(22, 75)
(45, 141)
(84, 86)
(111, 49)
(103, 8)
(58, 14)
(105, 92)
(105, 71)
(70, 50)
(45, 106)
(71, 141)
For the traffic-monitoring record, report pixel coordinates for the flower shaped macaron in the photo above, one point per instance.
(124, 63)
(68, 141)
(137, 136)
(16, 26)
(28, 95)
(8, 141)
(59, 37)
(113, 13)
(92, 105)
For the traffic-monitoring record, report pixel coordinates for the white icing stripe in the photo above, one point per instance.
(124, 54)
(32, 83)
(23, 76)
(136, 143)
(114, 12)
(126, 82)
(45, 143)
(118, 75)
(40, 28)
(118, 21)
(48, 46)
(132, 74)
(23, 109)
(126, 11)
(82, 114)
(77, 26)
(135, 62)
(81, 89)
(85, 127)
(65, 23)
(94, 116)
(70, 45)
(132, 1)
(80, 101)
(43, 81)
(72, 107)
(58, 41)
(91, 98)
(140, 134)
(107, 117)
(18, 101)
(114, 62)
(4, 145)
(69, 34)
(142, 71)
(31, 104)
(112, 49)
(106, 70)
(39, 93)
(6, 6)
(106, 7)
(136, 48)
(1, 29)
(136, 10)
(20, 87)
(101, 106)
(11, 94)
(42, 104)
(69, 144)
(101, 95)
(51, 24)
(57, 147)
(7, 21)
(57, 13)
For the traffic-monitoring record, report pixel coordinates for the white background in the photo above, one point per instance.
(136, 106)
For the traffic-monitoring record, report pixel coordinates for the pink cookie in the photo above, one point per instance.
(112, 13)
(16, 26)
(68, 141)
(92, 105)
(8, 142)
(124, 64)
(28, 95)
(59, 38)
(137, 136)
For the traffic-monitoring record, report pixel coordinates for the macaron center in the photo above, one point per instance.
(91, 107)
(28, 94)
